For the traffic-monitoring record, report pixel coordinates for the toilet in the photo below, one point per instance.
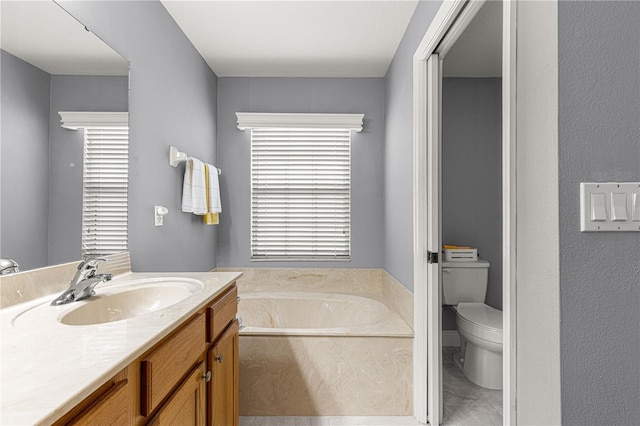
(464, 287)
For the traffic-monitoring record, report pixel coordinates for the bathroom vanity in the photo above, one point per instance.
(175, 365)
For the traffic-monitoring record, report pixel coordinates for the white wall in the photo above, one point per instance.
(538, 279)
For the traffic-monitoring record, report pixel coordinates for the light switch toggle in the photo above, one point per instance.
(635, 207)
(598, 210)
(619, 207)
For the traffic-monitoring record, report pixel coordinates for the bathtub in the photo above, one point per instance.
(323, 354)
(318, 314)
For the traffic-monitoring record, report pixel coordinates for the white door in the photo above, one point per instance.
(434, 239)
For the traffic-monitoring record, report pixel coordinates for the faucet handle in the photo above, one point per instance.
(91, 263)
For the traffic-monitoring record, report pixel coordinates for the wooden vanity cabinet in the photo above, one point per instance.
(165, 366)
(190, 377)
(187, 404)
(110, 404)
(222, 360)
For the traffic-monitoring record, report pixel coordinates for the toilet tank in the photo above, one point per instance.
(464, 282)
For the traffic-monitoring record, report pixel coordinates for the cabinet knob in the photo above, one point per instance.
(219, 358)
(207, 377)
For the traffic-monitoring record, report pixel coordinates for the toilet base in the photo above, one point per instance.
(482, 367)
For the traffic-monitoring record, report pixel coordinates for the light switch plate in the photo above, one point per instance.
(609, 206)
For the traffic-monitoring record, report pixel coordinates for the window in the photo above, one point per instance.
(300, 189)
(105, 175)
(105, 182)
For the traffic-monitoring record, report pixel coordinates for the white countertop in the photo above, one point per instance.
(48, 367)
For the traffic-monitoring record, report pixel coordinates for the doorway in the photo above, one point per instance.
(450, 23)
(471, 155)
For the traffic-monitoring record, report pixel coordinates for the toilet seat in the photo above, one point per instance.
(480, 320)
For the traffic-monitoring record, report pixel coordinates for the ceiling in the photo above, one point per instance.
(46, 36)
(319, 38)
(273, 38)
(478, 51)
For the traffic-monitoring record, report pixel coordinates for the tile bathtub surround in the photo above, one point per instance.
(398, 297)
(29, 285)
(325, 376)
(335, 280)
(331, 368)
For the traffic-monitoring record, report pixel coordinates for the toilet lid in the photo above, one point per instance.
(481, 315)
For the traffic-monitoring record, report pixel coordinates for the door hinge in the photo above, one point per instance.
(432, 257)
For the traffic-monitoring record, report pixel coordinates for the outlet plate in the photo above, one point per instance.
(159, 213)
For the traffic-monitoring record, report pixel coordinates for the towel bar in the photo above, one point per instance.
(176, 157)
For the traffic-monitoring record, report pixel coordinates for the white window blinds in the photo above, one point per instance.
(300, 194)
(105, 186)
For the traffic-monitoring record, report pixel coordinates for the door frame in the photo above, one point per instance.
(450, 21)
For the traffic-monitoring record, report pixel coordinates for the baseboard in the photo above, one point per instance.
(450, 338)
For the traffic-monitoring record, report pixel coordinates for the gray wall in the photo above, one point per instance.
(172, 102)
(599, 139)
(305, 95)
(472, 171)
(472, 174)
(74, 93)
(25, 158)
(398, 150)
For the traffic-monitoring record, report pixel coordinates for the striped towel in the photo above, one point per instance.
(194, 196)
(211, 176)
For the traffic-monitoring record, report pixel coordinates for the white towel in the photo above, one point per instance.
(194, 196)
(215, 206)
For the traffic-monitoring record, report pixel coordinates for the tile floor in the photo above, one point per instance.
(464, 404)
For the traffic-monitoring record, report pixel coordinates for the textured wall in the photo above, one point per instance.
(599, 135)
(74, 93)
(172, 102)
(398, 150)
(306, 95)
(25, 147)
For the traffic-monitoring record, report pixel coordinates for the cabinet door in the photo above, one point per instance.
(223, 387)
(187, 405)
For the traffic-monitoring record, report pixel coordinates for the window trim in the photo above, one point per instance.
(259, 120)
(74, 120)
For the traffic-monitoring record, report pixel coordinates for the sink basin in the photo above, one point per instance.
(116, 302)
(126, 304)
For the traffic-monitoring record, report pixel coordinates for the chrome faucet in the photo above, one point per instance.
(8, 266)
(82, 285)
